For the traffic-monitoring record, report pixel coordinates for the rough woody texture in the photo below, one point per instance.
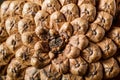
(60, 40)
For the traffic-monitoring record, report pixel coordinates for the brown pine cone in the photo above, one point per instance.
(59, 39)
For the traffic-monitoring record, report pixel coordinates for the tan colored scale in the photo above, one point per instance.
(79, 41)
(78, 66)
(26, 25)
(108, 47)
(88, 11)
(95, 33)
(92, 53)
(95, 71)
(104, 19)
(71, 11)
(71, 51)
(80, 25)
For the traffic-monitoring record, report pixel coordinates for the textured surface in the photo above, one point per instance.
(60, 40)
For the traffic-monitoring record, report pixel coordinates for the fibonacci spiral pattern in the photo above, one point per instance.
(59, 39)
